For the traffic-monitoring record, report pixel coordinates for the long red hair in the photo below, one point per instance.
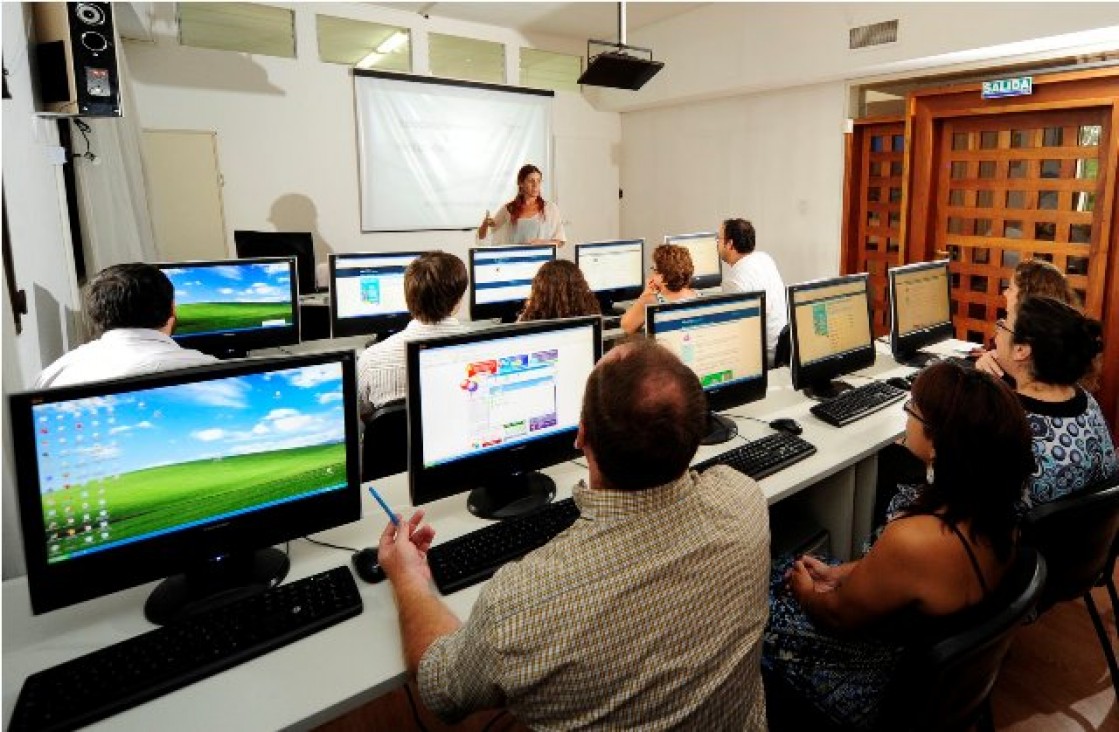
(517, 205)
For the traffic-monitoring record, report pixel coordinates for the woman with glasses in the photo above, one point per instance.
(836, 631)
(559, 290)
(671, 281)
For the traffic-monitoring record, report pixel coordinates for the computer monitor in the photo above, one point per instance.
(367, 293)
(704, 249)
(501, 279)
(722, 339)
(231, 306)
(920, 310)
(196, 471)
(298, 244)
(487, 409)
(615, 270)
(829, 327)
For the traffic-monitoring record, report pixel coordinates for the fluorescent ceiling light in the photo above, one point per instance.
(393, 42)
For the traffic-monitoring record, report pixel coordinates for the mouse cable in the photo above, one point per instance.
(415, 712)
(329, 545)
(746, 416)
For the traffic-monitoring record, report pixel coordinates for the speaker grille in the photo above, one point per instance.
(874, 34)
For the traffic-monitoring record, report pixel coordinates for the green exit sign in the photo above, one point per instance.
(1021, 86)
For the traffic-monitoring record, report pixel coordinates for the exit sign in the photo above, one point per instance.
(1021, 86)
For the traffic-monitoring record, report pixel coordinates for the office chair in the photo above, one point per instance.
(944, 684)
(384, 446)
(1077, 535)
(783, 351)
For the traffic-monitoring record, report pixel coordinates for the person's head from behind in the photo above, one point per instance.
(973, 431)
(644, 413)
(736, 239)
(1038, 278)
(434, 284)
(134, 295)
(1048, 341)
(559, 290)
(672, 266)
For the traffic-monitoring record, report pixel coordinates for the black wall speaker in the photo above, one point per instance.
(77, 59)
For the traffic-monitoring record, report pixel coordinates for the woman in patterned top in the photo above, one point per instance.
(671, 281)
(559, 290)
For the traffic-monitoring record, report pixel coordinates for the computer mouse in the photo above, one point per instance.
(785, 424)
(366, 566)
(899, 382)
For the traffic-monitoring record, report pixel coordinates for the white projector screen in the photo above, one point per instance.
(437, 154)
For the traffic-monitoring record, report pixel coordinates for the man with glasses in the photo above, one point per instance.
(751, 271)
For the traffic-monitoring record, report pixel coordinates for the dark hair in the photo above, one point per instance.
(1038, 278)
(674, 264)
(740, 232)
(134, 295)
(1063, 343)
(644, 414)
(518, 203)
(559, 290)
(983, 451)
(433, 284)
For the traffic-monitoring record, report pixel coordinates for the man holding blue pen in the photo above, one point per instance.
(646, 613)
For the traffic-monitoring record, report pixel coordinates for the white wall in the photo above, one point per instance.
(286, 134)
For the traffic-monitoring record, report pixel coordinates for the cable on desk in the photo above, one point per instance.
(581, 464)
(746, 416)
(329, 545)
(415, 712)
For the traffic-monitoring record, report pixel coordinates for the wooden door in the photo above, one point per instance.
(1014, 186)
(184, 194)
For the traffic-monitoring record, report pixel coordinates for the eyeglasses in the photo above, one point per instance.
(1001, 323)
(908, 409)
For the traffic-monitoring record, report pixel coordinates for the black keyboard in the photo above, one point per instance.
(113, 679)
(474, 557)
(857, 403)
(763, 457)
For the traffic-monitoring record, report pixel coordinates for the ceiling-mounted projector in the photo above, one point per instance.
(619, 66)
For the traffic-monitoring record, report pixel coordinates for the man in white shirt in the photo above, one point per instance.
(133, 307)
(434, 284)
(751, 271)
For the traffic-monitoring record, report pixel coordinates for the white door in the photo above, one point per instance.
(184, 192)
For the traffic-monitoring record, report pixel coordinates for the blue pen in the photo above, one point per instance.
(392, 516)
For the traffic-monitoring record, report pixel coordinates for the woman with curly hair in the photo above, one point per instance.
(559, 290)
(671, 282)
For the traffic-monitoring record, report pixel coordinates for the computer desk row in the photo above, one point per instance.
(336, 670)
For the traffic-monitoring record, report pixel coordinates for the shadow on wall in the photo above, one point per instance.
(196, 68)
(60, 329)
(297, 212)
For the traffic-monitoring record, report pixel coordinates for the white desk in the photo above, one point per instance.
(336, 670)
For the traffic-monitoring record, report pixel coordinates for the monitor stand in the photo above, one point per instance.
(825, 390)
(916, 359)
(226, 354)
(720, 429)
(511, 495)
(215, 582)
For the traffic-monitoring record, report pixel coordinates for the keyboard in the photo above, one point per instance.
(855, 404)
(113, 679)
(474, 557)
(763, 457)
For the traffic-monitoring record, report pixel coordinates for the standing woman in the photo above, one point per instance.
(528, 218)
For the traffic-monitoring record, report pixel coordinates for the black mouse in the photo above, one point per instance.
(785, 424)
(899, 382)
(366, 566)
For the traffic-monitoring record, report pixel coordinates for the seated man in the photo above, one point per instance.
(434, 284)
(646, 613)
(133, 308)
(750, 271)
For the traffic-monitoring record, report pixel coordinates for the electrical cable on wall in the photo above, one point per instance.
(85, 129)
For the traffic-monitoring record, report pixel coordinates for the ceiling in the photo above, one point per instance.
(581, 20)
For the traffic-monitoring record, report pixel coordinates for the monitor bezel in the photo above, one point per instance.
(366, 324)
(722, 396)
(902, 347)
(505, 310)
(702, 282)
(54, 586)
(426, 485)
(611, 295)
(832, 366)
(224, 343)
(301, 242)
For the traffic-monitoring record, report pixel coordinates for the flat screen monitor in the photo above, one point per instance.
(615, 270)
(487, 409)
(367, 293)
(722, 339)
(196, 471)
(704, 249)
(298, 244)
(231, 306)
(920, 310)
(501, 279)
(829, 327)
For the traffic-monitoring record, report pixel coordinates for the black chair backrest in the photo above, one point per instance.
(783, 351)
(1074, 534)
(384, 446)
(943, 685)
